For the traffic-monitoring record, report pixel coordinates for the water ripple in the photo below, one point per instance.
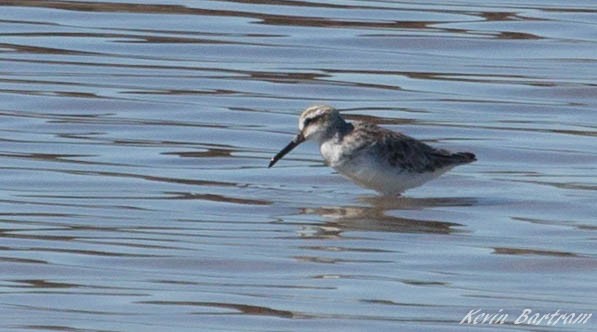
(134, 140)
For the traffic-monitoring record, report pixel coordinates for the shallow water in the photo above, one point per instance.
(134, 140)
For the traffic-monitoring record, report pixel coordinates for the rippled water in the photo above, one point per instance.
(134, 140)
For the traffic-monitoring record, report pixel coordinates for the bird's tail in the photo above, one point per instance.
(463, 157)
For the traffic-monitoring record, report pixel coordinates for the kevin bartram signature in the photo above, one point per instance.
(525, 317)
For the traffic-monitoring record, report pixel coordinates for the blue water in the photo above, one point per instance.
(134, 140)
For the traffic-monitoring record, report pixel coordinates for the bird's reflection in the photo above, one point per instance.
(379, 214)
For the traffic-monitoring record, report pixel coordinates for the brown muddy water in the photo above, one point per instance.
(135, 135)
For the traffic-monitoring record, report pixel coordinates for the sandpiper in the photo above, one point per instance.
(371, 156)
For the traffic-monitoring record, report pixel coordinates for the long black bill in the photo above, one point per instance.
(298, 139)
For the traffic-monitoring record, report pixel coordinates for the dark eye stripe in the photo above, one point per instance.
(310, 120)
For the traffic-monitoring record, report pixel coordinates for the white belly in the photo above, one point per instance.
(369, 172)
(388, 181)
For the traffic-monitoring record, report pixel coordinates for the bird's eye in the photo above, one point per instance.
(307, 121)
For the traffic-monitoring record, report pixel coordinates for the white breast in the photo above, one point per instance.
(331, 152)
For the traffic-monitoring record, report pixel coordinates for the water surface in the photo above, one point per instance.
(134, 140)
